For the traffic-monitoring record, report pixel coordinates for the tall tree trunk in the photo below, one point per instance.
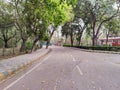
(65, 39)
(41, 44)
(93, 41)
(3, 51)
(6, 43)
(34, 44)
(48, 42)
(93, 36)
(22, 48)
(80, 36)
(107, 35)
(71, 38)
(79, 42)
(96, 40)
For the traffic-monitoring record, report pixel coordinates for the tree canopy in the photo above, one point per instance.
(33, 17)
(94, 14)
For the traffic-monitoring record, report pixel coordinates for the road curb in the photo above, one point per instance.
(6, 73)
(97, 51)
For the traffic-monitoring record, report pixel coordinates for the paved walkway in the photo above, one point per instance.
(10, 65)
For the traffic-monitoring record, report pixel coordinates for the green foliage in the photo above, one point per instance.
(113, 27)
(46, 37)
(6, 15)
(59, 12)
(66, 29)
(103, 48)
(95, 13)
(32, 17)
(28, 45)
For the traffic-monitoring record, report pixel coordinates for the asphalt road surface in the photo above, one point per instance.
(69, 69)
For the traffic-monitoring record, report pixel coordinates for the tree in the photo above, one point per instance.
(80, 21)
(98, 13)
(30, 20)
(36, 13)
(20, 21)
(65, 30)
(80, 27)
(59, 12)
(81, 18)
(68, 30)
(112, 28)
(7, 31)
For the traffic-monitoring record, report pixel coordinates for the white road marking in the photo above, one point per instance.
(73, 58)
(13, 83)
(80, 71)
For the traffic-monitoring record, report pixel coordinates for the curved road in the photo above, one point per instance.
(69, 69)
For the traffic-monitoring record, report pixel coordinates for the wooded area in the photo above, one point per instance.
(93, 18)
(24, 24)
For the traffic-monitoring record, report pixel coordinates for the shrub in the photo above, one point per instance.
(28, 46)
(104, 48)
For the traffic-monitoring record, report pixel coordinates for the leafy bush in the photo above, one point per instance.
(28, 45)
(104, 48)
